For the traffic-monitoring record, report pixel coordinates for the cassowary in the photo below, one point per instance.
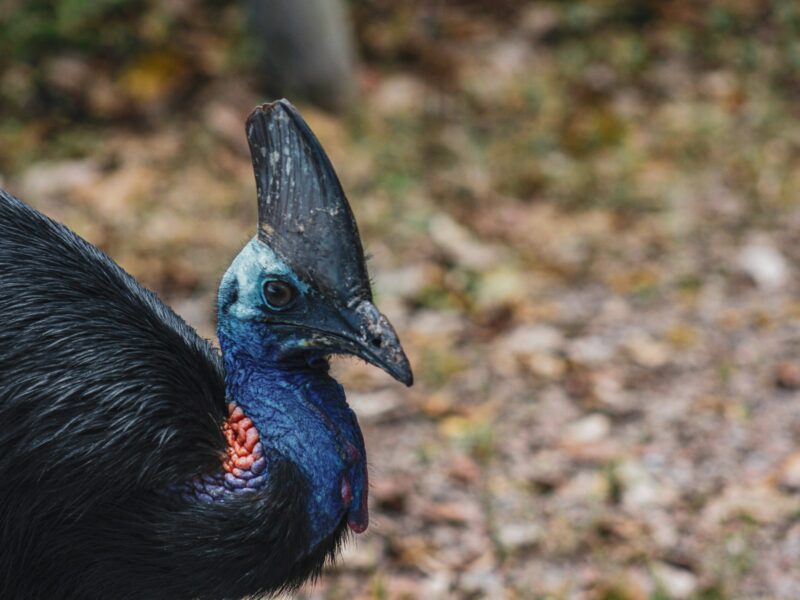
(138, 463)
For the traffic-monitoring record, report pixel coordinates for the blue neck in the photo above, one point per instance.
(301, 415)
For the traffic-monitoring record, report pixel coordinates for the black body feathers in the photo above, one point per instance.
(107, 401)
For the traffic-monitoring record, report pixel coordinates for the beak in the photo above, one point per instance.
(363, 331)
(377, 343)
(360, 330)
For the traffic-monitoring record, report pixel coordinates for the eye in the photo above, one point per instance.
(278, 294)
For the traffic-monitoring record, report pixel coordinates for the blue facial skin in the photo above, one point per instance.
(299, 410)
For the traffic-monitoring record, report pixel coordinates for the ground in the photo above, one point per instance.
(583, 221)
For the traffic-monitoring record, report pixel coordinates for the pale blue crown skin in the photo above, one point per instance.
(300, 411)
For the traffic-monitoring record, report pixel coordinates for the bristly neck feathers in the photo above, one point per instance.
(298, 410)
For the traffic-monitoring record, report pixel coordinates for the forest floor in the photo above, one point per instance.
(583, 223)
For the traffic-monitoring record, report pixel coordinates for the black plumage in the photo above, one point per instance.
(107, 400)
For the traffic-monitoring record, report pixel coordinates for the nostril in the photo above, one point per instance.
(377, 342)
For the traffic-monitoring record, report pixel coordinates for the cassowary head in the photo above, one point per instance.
(304, 277)
(298, 292)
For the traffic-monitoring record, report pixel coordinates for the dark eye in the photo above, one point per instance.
(278, 294)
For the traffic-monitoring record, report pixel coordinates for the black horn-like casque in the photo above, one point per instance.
(303, 214)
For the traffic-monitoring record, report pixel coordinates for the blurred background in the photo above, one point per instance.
(583, 218)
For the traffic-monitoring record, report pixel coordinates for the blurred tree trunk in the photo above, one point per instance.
(306, 49)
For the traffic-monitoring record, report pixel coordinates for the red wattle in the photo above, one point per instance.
(347, 492)
(358, 521)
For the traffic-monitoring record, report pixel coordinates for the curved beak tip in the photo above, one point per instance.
(404, 374)
(383, 348)
(392, 359)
